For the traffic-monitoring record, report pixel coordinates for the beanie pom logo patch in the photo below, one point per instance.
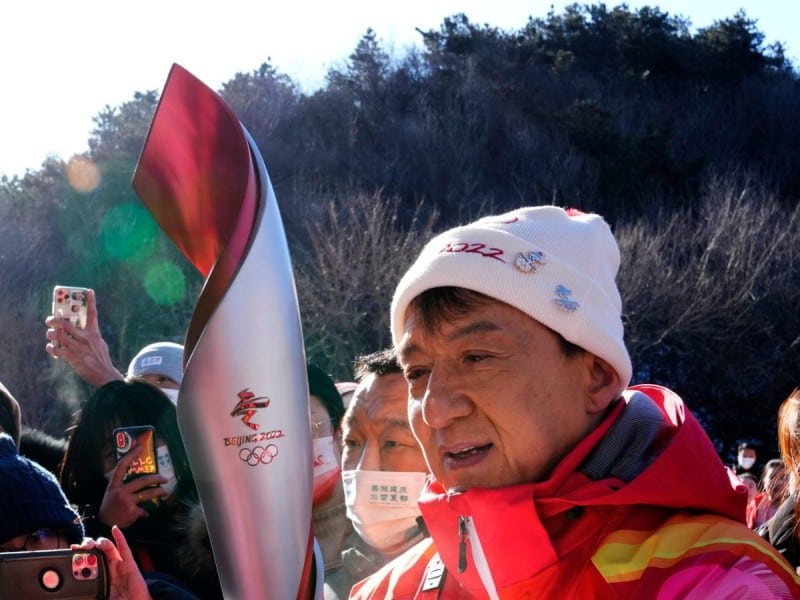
(528, 262)
(563, 299)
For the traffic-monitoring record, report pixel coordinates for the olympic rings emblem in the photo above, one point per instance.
(258, 454)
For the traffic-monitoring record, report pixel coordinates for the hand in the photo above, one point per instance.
(84, 349)
(120, 505)
(125, 578)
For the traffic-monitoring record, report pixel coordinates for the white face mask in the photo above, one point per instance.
(171, 393)
(746, 462)
(383, 506)
(165, 468)
(326, 468)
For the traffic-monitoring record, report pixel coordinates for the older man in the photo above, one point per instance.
(550, 478)
(383, 469)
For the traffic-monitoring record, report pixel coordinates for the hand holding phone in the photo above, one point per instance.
(84, 349)
(121, 501)
(54, 574)
(125, 578)
(144, 436)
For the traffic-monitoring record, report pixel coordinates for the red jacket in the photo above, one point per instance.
(641, 508)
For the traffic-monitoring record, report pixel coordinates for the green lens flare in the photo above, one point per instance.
(165, 283)
(129, 233)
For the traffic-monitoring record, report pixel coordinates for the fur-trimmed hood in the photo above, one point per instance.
(195, 555)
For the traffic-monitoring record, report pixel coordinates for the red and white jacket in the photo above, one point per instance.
(641, 508)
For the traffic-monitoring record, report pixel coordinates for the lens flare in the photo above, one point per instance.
(128, 233)
(165, 283)
(82, 174)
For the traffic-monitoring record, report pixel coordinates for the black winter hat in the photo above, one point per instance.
(31, 498)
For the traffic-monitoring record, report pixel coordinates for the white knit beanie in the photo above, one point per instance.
(558, 266)
(160, 358)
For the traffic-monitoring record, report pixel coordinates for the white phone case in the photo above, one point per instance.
(70, 302)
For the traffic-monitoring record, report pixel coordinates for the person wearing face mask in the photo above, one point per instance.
(159, 364)
(152, 510)
(383, 469)
(35, 515)
(331, 525)
(85, 350)
(747, 460)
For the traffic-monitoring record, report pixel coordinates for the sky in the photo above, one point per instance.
(62, 63)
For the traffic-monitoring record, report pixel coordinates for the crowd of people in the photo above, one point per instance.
(767, 486)
(496, 450)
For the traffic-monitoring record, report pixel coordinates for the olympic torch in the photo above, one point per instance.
(243, 403)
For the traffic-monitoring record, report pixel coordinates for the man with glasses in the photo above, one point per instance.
(41, 539)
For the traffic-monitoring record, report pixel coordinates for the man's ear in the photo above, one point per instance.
(603, 383)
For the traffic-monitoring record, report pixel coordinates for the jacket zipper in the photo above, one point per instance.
(466, 528)
(463, 535)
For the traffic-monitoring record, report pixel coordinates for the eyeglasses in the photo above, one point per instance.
(41, 539)
(315, 426)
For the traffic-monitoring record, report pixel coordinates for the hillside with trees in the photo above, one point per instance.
(685, 141)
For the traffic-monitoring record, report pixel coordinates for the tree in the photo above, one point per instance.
(617, 111)
(711, 307)
(120, 131)
(359, 247)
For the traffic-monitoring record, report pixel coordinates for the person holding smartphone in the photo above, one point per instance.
(85, 350)
(95, 481)
(127, 581)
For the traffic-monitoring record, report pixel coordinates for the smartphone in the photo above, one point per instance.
(69, 302)
(125, 440)
(53, 574)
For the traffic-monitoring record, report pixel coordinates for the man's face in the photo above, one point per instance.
(375, 431)
(493, 399)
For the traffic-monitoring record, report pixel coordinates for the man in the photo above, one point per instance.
(746, 460)
(550, 479)
(382, 467)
